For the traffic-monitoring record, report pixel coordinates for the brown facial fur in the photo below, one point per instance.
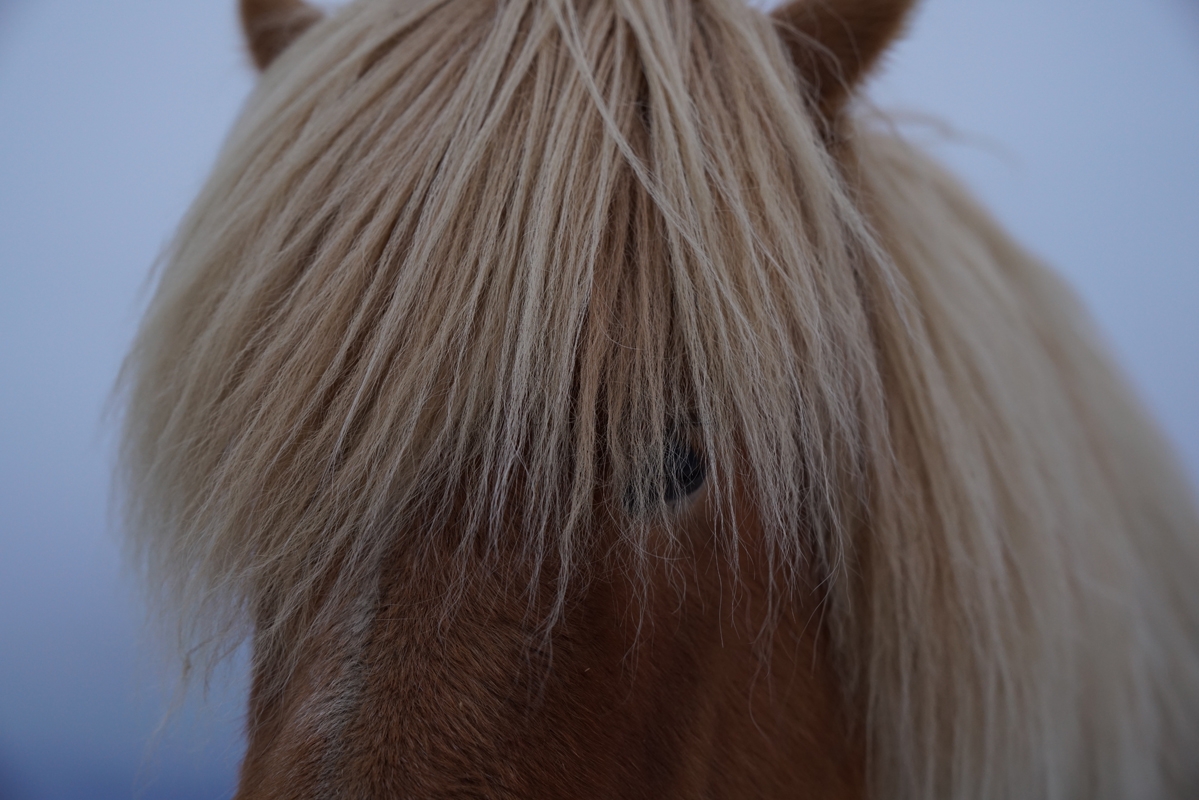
(418, 704)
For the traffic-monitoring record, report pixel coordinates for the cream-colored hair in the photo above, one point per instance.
(463, 257)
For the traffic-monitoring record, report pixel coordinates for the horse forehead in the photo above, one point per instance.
(630, 686)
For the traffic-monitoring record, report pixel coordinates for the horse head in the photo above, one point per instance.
(581, 398)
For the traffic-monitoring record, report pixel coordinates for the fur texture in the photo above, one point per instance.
(663, 694)
(465, 267)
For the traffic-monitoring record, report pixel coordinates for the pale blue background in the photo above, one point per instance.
(1080, 123)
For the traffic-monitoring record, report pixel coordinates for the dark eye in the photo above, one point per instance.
(685, 471)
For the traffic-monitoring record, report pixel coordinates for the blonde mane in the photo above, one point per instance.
(462, 257)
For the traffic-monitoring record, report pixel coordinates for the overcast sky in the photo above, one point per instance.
(1077, 121)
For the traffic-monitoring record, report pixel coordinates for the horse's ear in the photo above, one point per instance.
(835, 43)
(272, 25)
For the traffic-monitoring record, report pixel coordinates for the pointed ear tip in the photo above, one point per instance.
(270, 26)
(835, 44)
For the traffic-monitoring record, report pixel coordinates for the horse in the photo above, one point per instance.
(594, 398)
